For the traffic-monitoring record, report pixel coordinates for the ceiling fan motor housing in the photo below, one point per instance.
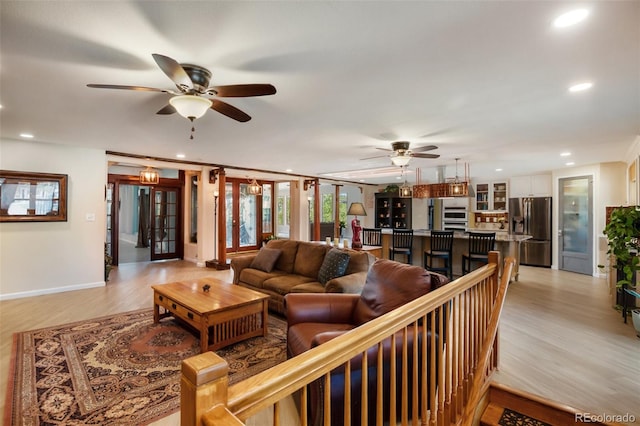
(400, 146)
(200, 76)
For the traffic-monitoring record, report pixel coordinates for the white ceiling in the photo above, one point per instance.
(484, 81)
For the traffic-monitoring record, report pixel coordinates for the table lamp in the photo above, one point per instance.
(356, 209)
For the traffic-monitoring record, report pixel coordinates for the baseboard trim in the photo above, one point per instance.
(44, 291)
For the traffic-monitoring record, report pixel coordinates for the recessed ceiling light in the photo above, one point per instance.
(26, 135)
(570, 18)
(570, 163)
(498, 170)
(565, 154)
(289, 170)
(180, 156)
(581, 87)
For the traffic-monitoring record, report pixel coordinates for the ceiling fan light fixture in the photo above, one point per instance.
(190, 106)
(400, 160)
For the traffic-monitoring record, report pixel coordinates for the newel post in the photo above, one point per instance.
(203, 389)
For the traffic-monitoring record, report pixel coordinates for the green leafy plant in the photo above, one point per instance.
(392, 188)
(623, 231)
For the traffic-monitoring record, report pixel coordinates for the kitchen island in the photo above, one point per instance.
(507, 244)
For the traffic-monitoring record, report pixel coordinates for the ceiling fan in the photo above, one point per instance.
(401, 154)
(192, 82)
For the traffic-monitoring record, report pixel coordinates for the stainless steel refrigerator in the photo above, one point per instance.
(532, 216)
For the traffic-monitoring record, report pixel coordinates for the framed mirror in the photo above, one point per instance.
(32, 197)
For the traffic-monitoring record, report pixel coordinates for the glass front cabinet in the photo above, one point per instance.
(392, 211)
(492, 196)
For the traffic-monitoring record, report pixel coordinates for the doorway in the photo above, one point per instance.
(575, 236)
(144, 222)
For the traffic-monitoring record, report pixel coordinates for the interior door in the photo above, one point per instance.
(243, 224)
(166, 224)
(575, 236)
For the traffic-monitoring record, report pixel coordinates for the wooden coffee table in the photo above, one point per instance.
(225, 314)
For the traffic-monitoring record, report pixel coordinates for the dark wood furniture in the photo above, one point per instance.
(401, 243)
(392, 211)
(223, 313)
(372, 236)
(480, 244)
(441, 247)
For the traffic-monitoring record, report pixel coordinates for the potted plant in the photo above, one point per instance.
(623, 233)
(342, 225)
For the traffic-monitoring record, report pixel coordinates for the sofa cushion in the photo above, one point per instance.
(334, 265)
(309, 259)
(266, 259)
(256, 277)
(390, 285)
(287, 257)
(284, 283)
(310, 287)
(359, 262)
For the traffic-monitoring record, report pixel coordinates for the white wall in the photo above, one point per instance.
(47, 257)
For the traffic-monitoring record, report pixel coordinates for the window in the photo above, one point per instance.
(326, 208)
(267, 217)
(343, 207)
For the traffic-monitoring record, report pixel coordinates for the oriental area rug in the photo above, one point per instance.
(117, 370)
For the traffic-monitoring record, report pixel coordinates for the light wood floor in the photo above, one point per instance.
(560, 338)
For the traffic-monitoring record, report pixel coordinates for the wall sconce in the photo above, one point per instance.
(308, 183)
(213, 175)
(254, 188)
(149, 176)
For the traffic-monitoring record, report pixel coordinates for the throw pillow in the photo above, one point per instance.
(334, 265)
(265, 259)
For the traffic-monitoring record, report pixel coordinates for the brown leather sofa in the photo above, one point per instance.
(313, 319)
(296, 271)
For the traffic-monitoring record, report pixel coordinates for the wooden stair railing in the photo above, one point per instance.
(462, 312)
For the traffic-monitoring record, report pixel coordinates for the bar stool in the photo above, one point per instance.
(480, 244)
(441, 247)
(372, 236)
(401, 243)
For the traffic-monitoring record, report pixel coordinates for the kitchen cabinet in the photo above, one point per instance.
(530, 186)
(392, 211)
(492, 196)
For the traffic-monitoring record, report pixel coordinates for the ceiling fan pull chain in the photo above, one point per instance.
(193, 129)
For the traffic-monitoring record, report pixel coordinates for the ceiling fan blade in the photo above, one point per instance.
(229, 110)
(138, 88)
(385, 149)
(424, 148)
(166, 110)
(377, 156)
(425, 155)
(244, 90)
(173, 70)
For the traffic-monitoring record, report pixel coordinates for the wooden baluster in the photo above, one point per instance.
(347, 393)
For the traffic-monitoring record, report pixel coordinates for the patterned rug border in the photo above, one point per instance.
(14, 362)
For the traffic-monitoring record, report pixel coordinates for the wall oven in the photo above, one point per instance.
(455, 218)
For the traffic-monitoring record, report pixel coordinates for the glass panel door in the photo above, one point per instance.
(576, 219)
(165, 223)
(242, 217)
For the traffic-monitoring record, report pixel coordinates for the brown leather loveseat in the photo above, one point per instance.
(313, 319)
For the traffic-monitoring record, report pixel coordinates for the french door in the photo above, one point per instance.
(242, 216)
(155, 220)
(165, 223)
